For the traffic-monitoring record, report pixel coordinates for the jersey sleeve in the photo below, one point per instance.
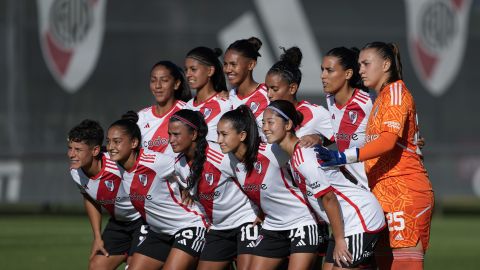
(314, 175)
(76, 179)
(396, 105)
(323, 124)
(165, 165)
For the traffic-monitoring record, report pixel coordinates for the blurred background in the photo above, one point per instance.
(66, 60)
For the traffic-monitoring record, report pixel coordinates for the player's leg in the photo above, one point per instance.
(271, 249)
(219, 250)
(187, 246)
(152, 251)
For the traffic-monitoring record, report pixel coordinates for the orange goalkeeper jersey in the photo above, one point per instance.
(394, 111)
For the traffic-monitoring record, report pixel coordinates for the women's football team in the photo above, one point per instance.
(241, 178)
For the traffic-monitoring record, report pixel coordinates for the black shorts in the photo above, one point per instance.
(158, 245)
(121, 237)
(323, 237)
(225, 245)
(361, 246)
(280, 244)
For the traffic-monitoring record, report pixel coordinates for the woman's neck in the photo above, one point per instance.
(94, 168)
(247, 87)
(130, 162)
(288, 143)
(162, 108)
(205, 93)
(241, 152)
(190, 153)
(344, 95)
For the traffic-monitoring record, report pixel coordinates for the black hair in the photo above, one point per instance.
(247, 47)
(287, 108)
(128, 123)
(289, 65)
(197, 119)
(391, 52)
(242, 119)
(209, 57)
(88, 131)
(183, 92)
(348, 59)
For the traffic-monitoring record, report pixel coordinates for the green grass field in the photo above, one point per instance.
(55, 242)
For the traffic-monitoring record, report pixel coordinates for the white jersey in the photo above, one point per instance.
(212, 109)
(270, 187)
(106, 189)
(360, 209)
(316, 120)
(155, 193)
(256, 101)
(349, 124)
(154, 128)
(222, 199)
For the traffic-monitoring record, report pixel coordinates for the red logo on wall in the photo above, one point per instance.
(71, 33)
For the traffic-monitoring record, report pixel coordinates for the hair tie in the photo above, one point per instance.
(280, 112)
(185, 121)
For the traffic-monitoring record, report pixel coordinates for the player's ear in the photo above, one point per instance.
(251, 64)
(195, 135)
(348, 74)
(135, 143)
(96, 150)
(293, 88)
(243, 136)
(177, 84)
(386, 65)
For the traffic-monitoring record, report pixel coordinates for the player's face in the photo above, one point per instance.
(274, 127)
(198, 74)
(80, 154)
(278, 88)
(237, 67)
(372, 68)
(334, 77)
(228, 137)
(162, 84)
(119, 144)
(180, 137)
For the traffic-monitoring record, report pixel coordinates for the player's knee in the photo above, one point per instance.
(98, 262)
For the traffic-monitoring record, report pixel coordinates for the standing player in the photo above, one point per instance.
(362, 215)
(282, 82)
(168, 86)
(205, 74)
(176, 232)
(99, 180)
(239, 61)
(348, 105)
(290, 228)
(208, 175)
(394, 169)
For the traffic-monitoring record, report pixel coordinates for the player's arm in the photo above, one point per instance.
(332, 208)
(94, 213)
(385, 143)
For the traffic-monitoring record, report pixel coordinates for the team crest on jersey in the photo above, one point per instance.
(254, 106)
(258, 167)
(352, 115)
(209, 178)
(143, 179)
(437, 35)
(207, 112)
(110, 185)
(71, 34)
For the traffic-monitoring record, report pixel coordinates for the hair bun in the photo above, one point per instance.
(130, 116)
(217, 51)
(257, 43)
(292, 56)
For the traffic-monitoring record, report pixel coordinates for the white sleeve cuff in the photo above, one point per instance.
(351, 155)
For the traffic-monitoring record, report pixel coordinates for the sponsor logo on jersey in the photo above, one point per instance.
(143, 179)
(352, 115)
(346, 137)
(110, 185)
(315, 185)
(258, 167)
(207, 112)
(254, 187)
(392, 124)
(157, 142)
(209, 178)
(437, 35)
(254, 106)
(209, 196)
(71, 34)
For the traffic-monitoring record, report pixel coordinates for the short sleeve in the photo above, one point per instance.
(313, 173)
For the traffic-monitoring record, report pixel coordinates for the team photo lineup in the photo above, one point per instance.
(243, 175)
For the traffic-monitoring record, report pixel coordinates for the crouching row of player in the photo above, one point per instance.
(254, 202)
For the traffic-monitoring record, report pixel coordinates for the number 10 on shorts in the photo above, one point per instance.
(395, 220)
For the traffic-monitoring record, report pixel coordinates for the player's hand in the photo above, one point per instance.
(258, 220)
(186, 197)
(310, 140)
(97, 246)
(341, 254)
(332, 158)
(421, 142)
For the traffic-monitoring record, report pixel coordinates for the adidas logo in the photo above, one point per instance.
(252, 244)
(398, 237)
(301, 243)
(147, 126)
(183, 242)
(141, 239)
